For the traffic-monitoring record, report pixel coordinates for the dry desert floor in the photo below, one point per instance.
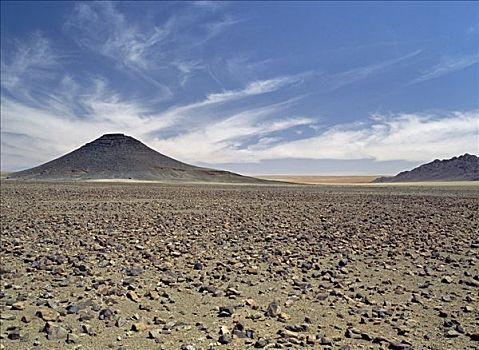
(158, 266)
(313, 179)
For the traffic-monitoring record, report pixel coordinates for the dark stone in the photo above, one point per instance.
(225, 339)
(226, 311)
(14, 334)
(474, 336)
(72, 309)
(273, 309)
(133, 271)
(343, 262)
(261, 343)
(106, 314)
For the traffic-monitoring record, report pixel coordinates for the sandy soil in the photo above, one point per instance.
(362, 180)
(311, 179)
(155, 266)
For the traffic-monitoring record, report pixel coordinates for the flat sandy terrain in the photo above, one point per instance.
(311, 179)
(362, 180)
(155, 266)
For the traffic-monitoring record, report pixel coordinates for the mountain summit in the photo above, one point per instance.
(117, 156)
(462, 168)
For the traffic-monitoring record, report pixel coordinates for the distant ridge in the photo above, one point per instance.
(117, 156)
(462, 168)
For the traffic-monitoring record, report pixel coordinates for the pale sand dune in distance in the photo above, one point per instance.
(312, 179)
(363, 180)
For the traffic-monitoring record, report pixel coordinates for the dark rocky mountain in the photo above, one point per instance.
(462, 168)
(117, 156)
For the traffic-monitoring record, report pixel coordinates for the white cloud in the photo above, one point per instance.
(75, 114)
(447, 66)
(102, 28)
(52, 121)
(338, 80)
(247, 136)
(221, 141)
(412, 137)
(257, 87)
(212, 102)
(30, 59)
(51, 132)
(409, 137)
(187, 69)
(147, 49)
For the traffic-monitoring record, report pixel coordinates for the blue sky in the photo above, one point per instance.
(287, 88)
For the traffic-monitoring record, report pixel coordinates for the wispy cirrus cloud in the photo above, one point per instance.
(256, 87)
(405, 137)
(157, 78)
(447, 66)
(412, 137)
(100, 27)
(221, 141)
(74, 110)
(147, 49)
(32, 59)
(187, 69)
(250, 135)
(351, 76)
(213, 104)
(103, 112)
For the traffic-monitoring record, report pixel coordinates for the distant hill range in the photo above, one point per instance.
(116, 156)
(462, 168)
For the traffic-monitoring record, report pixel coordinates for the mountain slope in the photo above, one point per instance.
(116, 156)
(462, 168)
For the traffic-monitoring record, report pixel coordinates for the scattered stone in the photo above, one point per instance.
(7, 316)
(154, 334)
(72, 309)
(120, 322)
(18, 306)
(153, 295)
(468, 308)
(226, 311)
(88, 329)
(188, 347)
(106, 314)
(399, 346)
(72, 338)
(367, 265)
(451, 333)
(47, 314)
(261, 343)
(225, 339)
(14, 334)
(134, 271)
(139, 327)
(55, 332)
(474, 336)
(273, 309)
(447, 279)
(346, 347)
(133, 296)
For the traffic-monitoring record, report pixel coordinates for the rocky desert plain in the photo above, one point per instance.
(188, 266)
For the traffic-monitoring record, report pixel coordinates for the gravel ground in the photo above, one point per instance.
(151, 266)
